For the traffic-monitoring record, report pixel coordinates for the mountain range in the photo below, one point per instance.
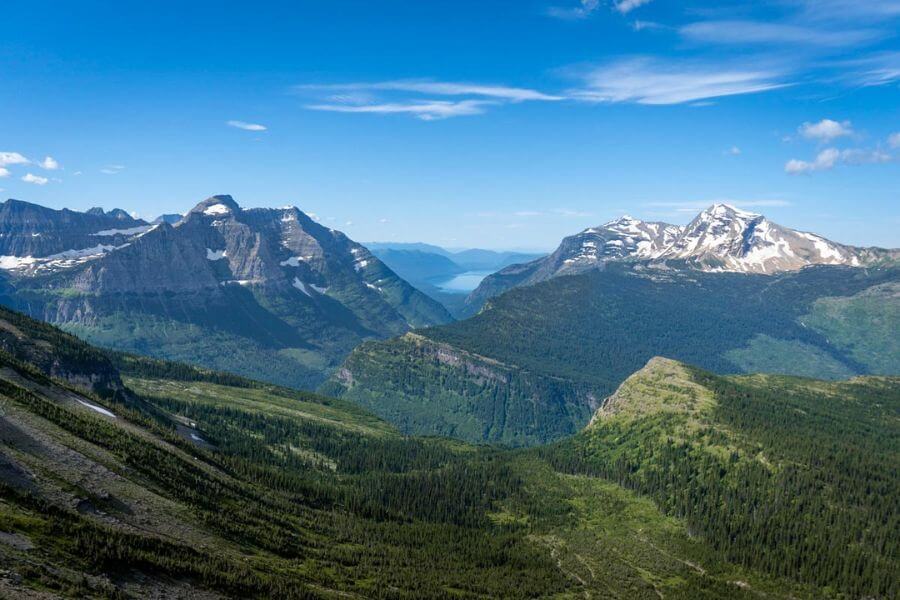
(264, 292)
(721, 238)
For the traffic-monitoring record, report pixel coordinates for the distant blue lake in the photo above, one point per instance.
(464, 282)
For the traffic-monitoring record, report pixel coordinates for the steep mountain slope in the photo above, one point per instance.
(533, 364)
(793, 476)
(185, 487)
(263, 292)
(721, 238)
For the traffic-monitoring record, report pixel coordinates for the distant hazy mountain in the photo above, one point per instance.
(721, 238)
(418, 267)
(473, 259)
(265, 292)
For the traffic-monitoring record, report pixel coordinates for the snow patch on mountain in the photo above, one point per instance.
(216, 209)
(128, 231)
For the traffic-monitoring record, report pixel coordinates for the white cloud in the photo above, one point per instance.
(826, 159)
(584, 10)
(431, 110)
(405, 97)
(587, 7)
(246, 126)
(4, 172)
(830, 157)
(894, 140)
(439, 88)
(112, 169)
(626, 6)
(383, 221)
(35, 179)
(639, 25)
(49, 163)
(757, 32)
(651, 81)
(825, 130)
(733, 151)
(12, 158)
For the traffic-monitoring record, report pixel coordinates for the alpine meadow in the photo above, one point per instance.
(551, 299)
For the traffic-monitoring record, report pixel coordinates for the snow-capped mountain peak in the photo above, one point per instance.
(726, 238)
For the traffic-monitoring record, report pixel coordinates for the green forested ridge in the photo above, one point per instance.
(578, 337)
(791, 476)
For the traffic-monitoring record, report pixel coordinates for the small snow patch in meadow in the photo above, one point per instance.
(215, 254)
(96, 408)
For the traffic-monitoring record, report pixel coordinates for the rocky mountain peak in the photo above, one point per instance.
(217, 206)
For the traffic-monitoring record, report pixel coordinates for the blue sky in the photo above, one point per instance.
(494, 124)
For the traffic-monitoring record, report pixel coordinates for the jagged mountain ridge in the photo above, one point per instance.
(721, 238)
(38, 239)
(299, 293)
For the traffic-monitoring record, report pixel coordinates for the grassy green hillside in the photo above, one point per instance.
(193, 483)
(565, 343)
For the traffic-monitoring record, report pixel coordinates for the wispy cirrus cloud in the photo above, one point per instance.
(246, 126)
(424, 99)
(646, 80)
(626, 6)
(112, 169)
(427, 111)
(438, 88)
(843, 10)
(769, 33)
(586, 8)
